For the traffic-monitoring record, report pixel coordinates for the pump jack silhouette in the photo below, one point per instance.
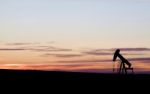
(122, 69)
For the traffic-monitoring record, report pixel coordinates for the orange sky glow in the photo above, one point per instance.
(74, 35)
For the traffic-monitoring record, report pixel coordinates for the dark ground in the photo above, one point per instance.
(69, 79)
(61, 82)
(33, 75)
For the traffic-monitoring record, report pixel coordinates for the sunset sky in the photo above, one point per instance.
(74, 35)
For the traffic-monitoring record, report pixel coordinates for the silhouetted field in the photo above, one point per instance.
(51, 80)
(58, 80)
(51, 76)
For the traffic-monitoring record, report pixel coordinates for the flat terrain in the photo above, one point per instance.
(68, 76)
(55, 79)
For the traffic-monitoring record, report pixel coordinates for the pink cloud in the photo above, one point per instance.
(63, 55)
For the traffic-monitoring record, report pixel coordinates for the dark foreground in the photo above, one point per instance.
(58, 81)
(67, 76)
(49, 77)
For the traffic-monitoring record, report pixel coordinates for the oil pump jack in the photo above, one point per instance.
(123, 62)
